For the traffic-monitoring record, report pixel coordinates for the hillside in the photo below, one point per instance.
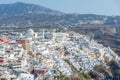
(24, 15)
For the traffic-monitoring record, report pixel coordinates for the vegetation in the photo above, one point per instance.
(84, 75)
(81, 75)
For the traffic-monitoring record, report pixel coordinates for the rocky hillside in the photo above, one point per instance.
(24, 15)
(19, 8)
(110, 72)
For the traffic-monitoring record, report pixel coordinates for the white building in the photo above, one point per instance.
(59, 36)
(25, 76)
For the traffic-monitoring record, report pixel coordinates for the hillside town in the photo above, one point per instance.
(44, 54)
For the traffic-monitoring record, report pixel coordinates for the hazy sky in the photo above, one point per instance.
(107, 7)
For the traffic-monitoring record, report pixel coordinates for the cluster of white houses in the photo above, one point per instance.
(35, 55)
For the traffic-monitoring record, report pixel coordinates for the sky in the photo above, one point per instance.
(102, 7)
